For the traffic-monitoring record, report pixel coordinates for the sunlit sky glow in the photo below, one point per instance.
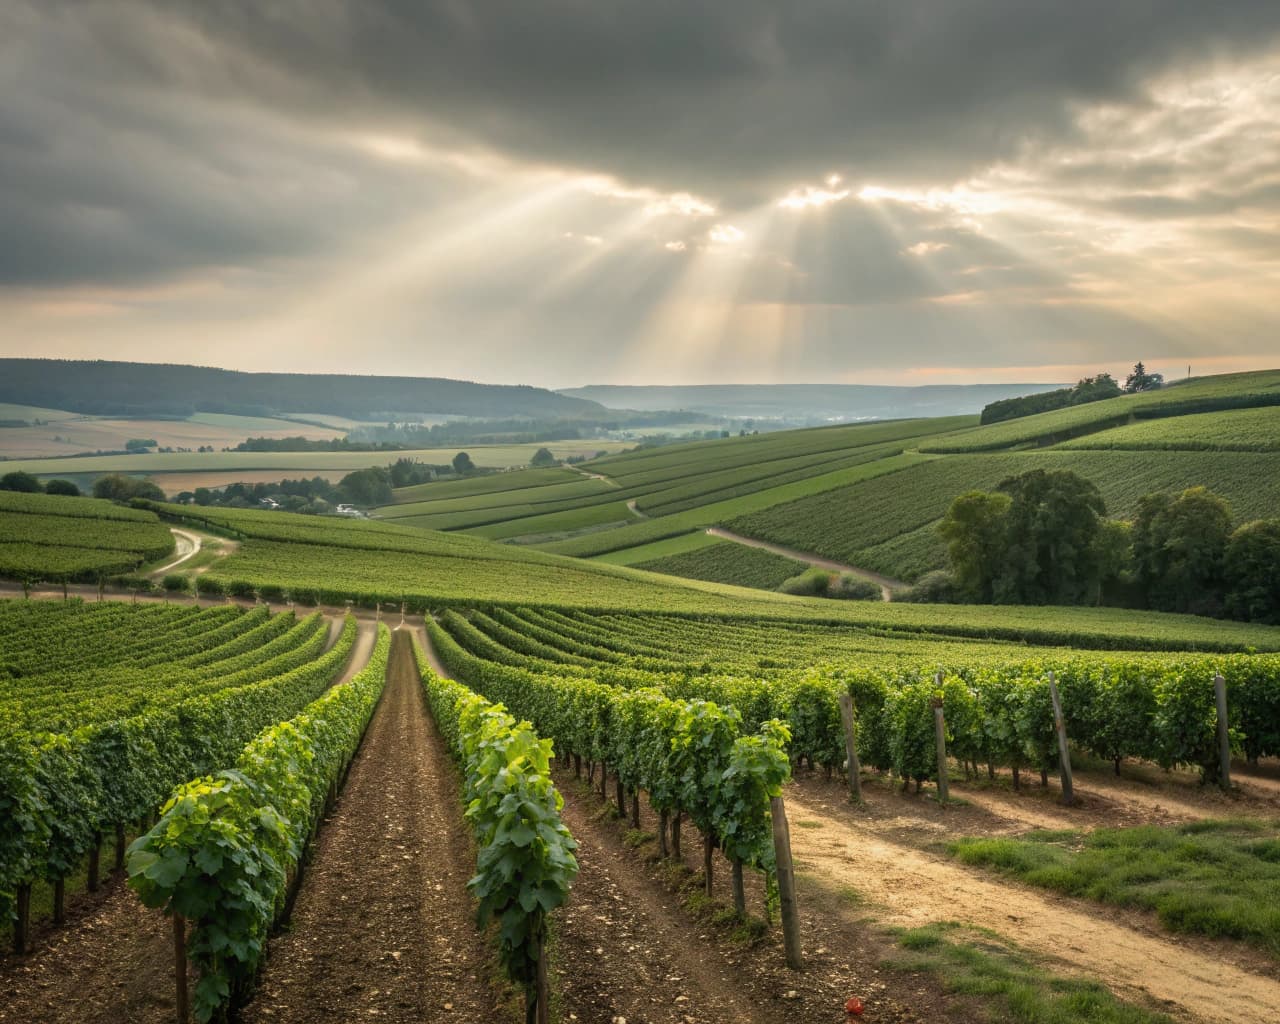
(562, 192)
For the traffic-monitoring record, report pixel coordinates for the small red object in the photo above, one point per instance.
(853, 1005)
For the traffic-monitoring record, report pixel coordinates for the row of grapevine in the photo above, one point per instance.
(998, 711)
(525, 863)
(63, 790)
(227, 845)
(691, 756)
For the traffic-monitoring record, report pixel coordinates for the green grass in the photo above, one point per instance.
(727, 562)
(490, 483)
(721, 511)
(566, 521)
(979, 963)
(658, 549)
(1240, 430)
(30, 413)
(1216, 878)
(1205, 394)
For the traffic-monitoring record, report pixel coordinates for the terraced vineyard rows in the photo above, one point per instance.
(106, 707)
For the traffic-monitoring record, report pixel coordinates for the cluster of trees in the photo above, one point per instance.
(28, 484)
(1087, 389)
(817, 582)
(118, 487)
(1043, 538)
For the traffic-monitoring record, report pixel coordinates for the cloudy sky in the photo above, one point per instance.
(563, 192)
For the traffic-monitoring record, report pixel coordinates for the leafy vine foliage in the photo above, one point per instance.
(227, 844)
(525, 862)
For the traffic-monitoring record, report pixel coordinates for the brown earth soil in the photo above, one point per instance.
(889, 852)
(383, 924)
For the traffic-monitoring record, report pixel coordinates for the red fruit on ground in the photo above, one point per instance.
(853, 1005)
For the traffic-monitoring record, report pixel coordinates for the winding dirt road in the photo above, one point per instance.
(878, 852)
(187, 546)
(886, 584)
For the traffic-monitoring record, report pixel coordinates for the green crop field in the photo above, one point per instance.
(658, 549)
(1205, 394)
(727, 562)
(861, 524)
(1239, 430)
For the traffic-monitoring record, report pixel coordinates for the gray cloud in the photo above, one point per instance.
(148, 140)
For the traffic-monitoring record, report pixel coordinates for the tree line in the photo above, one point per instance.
(1043, 537)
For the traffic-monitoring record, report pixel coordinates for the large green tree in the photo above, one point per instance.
(1051, 536)
(1179, 548)
(1252, 570)
(974, 531)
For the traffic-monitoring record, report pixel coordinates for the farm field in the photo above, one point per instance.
(349, 675)
(1204, 394)
(1239, 430)
(177, 471)
(71, 434)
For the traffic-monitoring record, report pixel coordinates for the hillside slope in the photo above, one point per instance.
(139, 389)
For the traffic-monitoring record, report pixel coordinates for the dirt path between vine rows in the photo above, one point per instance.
(383, 925)
(886, 584)
(113, 958)
(186, 545)
(878, 852)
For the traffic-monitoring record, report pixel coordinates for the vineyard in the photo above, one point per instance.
(366, 770)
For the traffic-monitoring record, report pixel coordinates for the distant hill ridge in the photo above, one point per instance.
(813, 401)
(107, 388)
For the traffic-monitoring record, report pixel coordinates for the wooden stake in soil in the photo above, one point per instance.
(786, 884)
(850, 747)
(120, 846)
(1224, 736)
(940, 733)
(59, 901)
(23, 920)
(635, 809)
(604, 778)
(739, 891)
(708, 848)
(664, 818)
(622, 796)
(1064, 754)
(95, 852)
(675, 834)
(180, 966)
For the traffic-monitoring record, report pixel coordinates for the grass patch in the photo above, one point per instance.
(808, 824)
(1215, 878)
(637, 837)
(979, 963)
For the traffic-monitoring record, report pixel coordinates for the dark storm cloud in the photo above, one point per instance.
(142, 140)
(719, 97)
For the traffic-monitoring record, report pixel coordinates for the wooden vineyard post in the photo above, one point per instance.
(739, 891)
(120, 845)
(180, 966)
(59, 900)
(1224, 735)
(786, 884)
(621, 792)
(95, 852)
(539, 1011)
(664, 818)
(635, 809)
(604, 779)
(940, 733)
(675, 834)
(851, 748)
(1064, 754)
(23, 920)
(708, 848)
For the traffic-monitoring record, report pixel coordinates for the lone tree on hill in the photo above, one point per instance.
(462, 464)
(1140, 380)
